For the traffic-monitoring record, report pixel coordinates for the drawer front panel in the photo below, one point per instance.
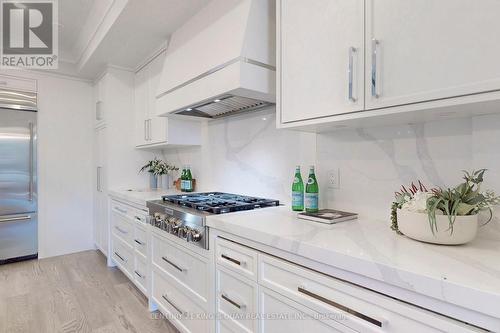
(140, 240)
(178, 304)
(236, 300)
(237, 258)
(186, 267)
(361, 309)
(140, 274)
(122, 227)
(122, 255)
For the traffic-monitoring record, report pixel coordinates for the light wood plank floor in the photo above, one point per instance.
(72, 293)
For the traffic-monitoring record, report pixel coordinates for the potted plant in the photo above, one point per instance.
(164, 172)
(151, 167)
(442, 216)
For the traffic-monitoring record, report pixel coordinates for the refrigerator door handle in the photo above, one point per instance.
(32, 162)
(14, 219)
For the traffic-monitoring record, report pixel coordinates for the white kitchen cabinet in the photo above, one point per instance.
(285, 315)
(100, 192)
(321, 58)
(294, 298)
(414, 61)
(152, 131)
(99, 110)
(427, 50)
(141, 107)
(130, 242)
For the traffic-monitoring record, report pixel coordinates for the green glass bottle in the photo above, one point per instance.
(297, 191)
(189, 180)
(183, 179)
(312, 192)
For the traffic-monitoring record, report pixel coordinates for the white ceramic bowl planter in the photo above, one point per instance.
(416, 226)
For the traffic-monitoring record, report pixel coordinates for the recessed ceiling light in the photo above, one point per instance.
(216, 100)
(189, 109)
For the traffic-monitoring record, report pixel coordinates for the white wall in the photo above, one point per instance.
(65, 128)
(246, 154)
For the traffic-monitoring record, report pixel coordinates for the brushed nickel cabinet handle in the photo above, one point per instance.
(121, 258)
(375, 46)
(350, 311)
(139, 242)
(230, 301)
(139, 274)
(121, 230)
(237, 262)
(180, 269)
(121, 210)
(172, 304)
(350, 71)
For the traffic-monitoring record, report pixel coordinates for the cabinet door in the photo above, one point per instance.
(280, 314)
(321, 68)
(157, 125)
(101, 233)
(426, 50)
(141, 107)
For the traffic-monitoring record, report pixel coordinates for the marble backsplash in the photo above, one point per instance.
(375, 162)
(247, 154)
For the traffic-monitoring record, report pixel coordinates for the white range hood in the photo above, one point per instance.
(221, 62)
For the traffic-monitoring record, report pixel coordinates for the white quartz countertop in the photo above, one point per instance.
(466, 275)
(140, 196)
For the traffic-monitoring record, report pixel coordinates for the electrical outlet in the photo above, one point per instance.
(334, 178)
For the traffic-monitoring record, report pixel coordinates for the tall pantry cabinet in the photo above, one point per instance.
(116, 161)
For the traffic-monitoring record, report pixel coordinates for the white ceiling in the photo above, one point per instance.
(139, 29)
(72, 17)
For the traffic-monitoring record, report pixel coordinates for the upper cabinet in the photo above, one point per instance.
(99, 111)
(427, 50)
(321, 58)
(340, 60)
(153, 131)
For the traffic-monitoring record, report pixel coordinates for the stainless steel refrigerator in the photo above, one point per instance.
(18, 176)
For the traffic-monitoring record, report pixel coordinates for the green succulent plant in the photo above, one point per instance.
(464, 199)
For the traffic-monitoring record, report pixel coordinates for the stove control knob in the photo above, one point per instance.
(183, 232)
(195, 235)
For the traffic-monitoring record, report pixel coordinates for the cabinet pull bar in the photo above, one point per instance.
(180, 269)
(375, 45)
(121, 230)
(172, 304)
(350, 71)
(340, 307)
(139, 274)
(121, 210)
(230, 301)
(119, 256)
(223, 256)
(138, 242)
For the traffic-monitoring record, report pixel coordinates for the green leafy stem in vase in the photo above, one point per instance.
(158, 167)
(461, 200)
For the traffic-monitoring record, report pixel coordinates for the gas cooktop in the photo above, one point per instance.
(219, 203)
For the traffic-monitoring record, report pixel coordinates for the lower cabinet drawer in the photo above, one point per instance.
(236, 302)
(140, 239)
(358, 308)
(177, 306)
(187, 268)
(122, 255)
(281, 314)
(140, 274)
(122, 227)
